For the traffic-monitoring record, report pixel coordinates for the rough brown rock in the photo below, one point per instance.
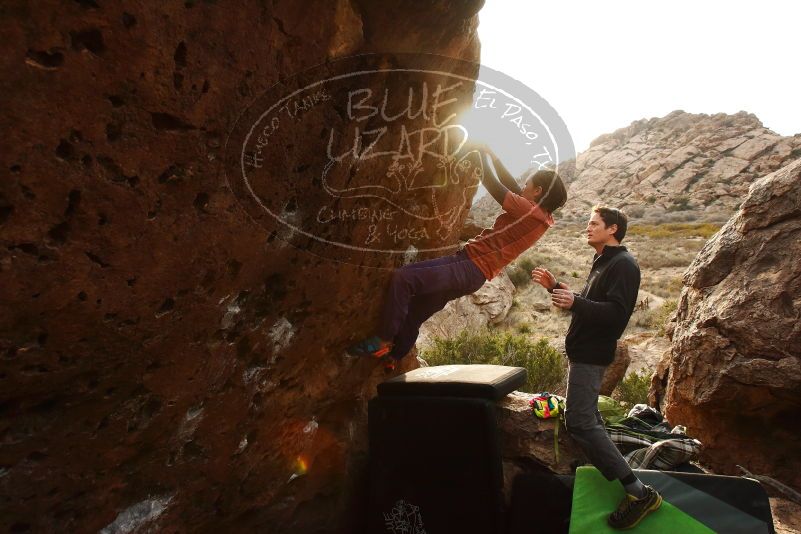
(733, 375)
(527, 441)
(167, 363)
(617, 369)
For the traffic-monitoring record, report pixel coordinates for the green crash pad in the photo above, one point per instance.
(692, 503)
(594, 498)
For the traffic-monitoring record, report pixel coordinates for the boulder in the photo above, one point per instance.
(733, 373)
(528, 442)
(172, 357)
(487, 306)
(617, 369)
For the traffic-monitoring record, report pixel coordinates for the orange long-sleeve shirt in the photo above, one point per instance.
(520, 225)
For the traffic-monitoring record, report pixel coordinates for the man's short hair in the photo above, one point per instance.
(612, 216)
(554, 192)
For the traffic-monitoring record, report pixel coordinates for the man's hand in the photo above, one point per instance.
(543, 277)
(562, 298)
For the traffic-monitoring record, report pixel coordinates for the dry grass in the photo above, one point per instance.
(674, 230)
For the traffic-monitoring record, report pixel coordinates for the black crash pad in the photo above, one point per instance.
(475, 381)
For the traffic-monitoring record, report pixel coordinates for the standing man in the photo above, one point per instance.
(600, 314)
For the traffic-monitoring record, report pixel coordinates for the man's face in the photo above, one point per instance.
(597, 232)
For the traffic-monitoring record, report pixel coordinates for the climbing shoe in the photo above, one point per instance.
(632, 510)
(372, 347)
(389, 363)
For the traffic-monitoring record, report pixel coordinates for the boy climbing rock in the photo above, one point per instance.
(418, 290)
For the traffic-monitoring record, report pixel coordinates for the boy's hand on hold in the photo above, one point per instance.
(543, 277)
(562, 298)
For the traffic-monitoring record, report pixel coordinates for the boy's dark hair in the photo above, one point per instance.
(554, 192)
(613, 216)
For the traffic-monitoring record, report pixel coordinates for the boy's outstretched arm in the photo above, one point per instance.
(491, 181)
(504, 176)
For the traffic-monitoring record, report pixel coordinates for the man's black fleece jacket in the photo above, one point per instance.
(603, 308)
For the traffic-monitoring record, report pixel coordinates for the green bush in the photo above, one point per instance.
(681, 203)
(633, 389)
(546, 367)
(666, 310)
(524, 328)
(520, 272)
(519, 277)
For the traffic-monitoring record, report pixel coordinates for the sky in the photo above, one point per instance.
(602, 65)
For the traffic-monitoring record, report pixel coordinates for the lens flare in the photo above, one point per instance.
(301, 465)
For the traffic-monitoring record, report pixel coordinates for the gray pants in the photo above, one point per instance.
(585, 424)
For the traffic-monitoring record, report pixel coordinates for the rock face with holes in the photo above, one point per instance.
(167, 363)
(733, 374)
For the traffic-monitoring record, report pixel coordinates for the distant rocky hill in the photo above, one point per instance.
(679, 167)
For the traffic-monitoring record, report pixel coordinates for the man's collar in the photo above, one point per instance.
(612, 249)
(609, 251)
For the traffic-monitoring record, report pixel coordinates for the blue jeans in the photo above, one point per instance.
(419, 290)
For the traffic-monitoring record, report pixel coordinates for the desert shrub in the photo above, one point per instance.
(545, 365)
(663, 315)
(675, 284)
(659, 258)
(657, 319)
(680, 203)
(668, 287)
(524, 328)
(520, 272)
(527, 264)
(535, 258)
(644, 318)
(680, 216)
(635, 212)
(633, 389)
(518, 277)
